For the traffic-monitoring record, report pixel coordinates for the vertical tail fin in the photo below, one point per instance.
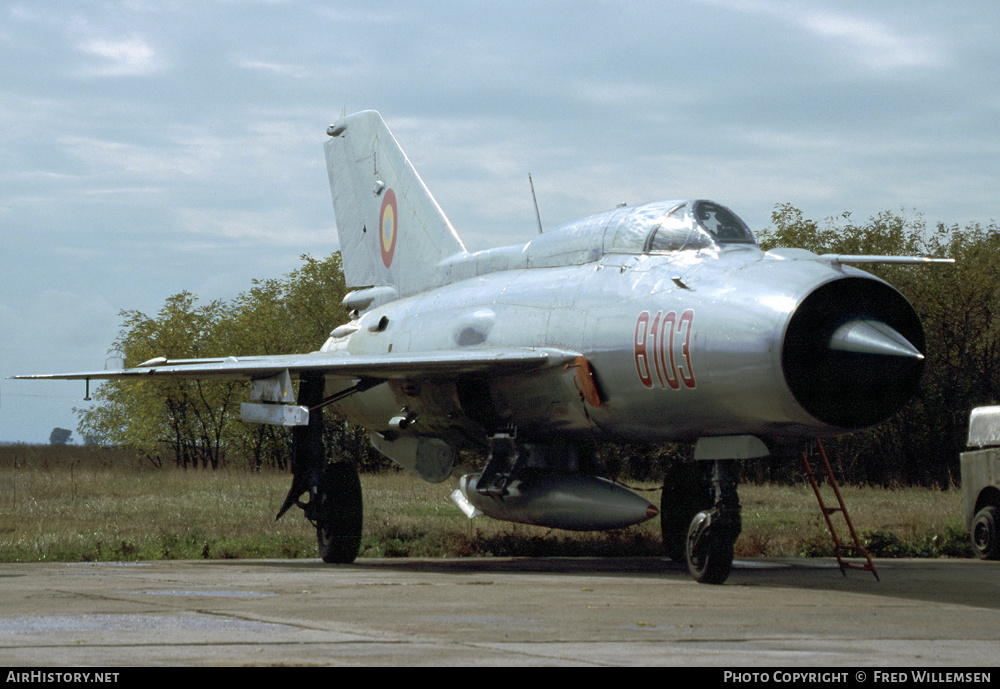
(391, 230)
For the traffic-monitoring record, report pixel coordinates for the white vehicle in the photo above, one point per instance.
(981, 481)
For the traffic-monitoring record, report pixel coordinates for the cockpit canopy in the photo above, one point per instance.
(658, 227)
(675, 226)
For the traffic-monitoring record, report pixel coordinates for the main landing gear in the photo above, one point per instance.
(700, 517)
(335, 504)
(338, 513)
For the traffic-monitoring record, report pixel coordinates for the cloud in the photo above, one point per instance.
(122, 57)
(276, 228)
(876, 44)
(291, 71)
(171, 158)
(873, 44)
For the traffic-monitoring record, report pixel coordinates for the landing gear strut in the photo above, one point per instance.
(713, 532)
(335, 502)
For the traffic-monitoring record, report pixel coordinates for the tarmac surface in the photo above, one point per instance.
(498, 611)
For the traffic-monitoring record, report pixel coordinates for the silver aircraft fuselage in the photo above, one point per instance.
(720, 339)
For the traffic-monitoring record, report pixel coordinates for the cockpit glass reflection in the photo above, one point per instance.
(722, 223)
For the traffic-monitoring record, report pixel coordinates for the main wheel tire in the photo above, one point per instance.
(340, 515)
(984, 534)
(710, 557)
(686, 491)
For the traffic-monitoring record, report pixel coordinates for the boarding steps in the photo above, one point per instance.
(839, 548)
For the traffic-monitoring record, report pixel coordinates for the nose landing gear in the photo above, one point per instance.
(700, 518)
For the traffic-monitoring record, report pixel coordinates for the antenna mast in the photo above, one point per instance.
(533, 198)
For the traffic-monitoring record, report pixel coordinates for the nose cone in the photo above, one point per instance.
(872, 337)
(852, 353)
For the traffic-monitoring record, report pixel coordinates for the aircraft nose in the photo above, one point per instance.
(853, 352)
(872, 337)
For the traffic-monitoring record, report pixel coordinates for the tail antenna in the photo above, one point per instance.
(535, 199)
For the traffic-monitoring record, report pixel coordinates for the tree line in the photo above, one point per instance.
(196, 424)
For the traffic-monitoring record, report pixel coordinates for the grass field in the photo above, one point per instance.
(73, 504)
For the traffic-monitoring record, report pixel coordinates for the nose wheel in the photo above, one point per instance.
(700, 518)
(709, 548)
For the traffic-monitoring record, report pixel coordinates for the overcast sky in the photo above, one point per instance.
(150, 147)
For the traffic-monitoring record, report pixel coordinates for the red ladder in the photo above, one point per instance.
(838, 548)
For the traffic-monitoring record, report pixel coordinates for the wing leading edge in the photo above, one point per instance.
(382, 366)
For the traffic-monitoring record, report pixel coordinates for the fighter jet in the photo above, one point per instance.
(657, 322)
